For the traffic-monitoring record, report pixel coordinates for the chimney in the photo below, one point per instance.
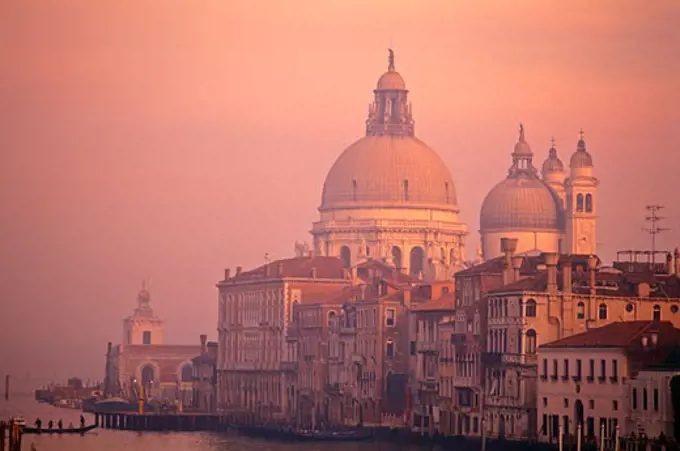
(592, 265)
(313, 272)
(508, 247)
(669, 264)
(266, 269)
(550, 259)
(516, 267)
(203, 340)
(227, 274)
(643, 290)
(676, 256)
(279, 270)
(566, 274)
(238, 270)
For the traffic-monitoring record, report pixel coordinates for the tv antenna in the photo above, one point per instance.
(653, 218)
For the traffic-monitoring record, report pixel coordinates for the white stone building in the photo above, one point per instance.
(603, 379)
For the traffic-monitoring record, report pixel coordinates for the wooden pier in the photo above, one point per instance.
(132, 421)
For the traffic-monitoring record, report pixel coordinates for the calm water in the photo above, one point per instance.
(112, 440)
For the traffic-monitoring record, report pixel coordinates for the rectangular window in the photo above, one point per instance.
(475, 425)
(591, 370)
(554, 372)
(655, 399)
(565, 376)
(545, 369)
(413, 348)
(578, 369)
(615, 405)
(390, 317)
(590, 427)
(545, 425)
(146, 337)
(634, 396)
(644, 399)
(615, 370)
(603, 369)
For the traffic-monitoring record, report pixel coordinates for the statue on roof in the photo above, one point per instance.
(390, 60)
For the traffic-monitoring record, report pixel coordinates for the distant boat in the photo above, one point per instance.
(112, 405)
(82, 430)
(329, 436)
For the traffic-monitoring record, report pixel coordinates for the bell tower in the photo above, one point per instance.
(581, 205)
(142, 327)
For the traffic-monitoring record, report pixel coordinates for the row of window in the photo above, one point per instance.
(555, 374)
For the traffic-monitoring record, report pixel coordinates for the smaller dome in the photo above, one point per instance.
(521, 203)
(552, 164)
(581, 158)
(391, 80)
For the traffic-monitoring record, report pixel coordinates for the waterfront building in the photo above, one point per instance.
(426, 353)
(164, 371)
(609, 377)
(390, 196)
(547, 213)
(255, 374)
(567, 295)
(204, 390)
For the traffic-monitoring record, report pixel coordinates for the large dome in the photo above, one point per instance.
(521, 203)
(389, 171)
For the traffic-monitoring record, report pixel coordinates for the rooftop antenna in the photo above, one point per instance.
(654, 230)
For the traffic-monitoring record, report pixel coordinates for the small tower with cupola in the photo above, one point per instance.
(581, 202)
(142, 327)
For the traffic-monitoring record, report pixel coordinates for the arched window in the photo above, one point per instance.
(396, 257)
(579, 202)
(521, 308)
(147, 375)
(589, 203)
(602, 311)
(531, 342)
(656, 313)
(452, 257)
(331, 317)
(346, 256)
(187, 373)
(416, 260)
(580, 310)
(389, 348)
(531, 309)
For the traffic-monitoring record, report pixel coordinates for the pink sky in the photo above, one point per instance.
(171, 139)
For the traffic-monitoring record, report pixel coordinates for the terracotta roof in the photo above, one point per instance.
(444, 302)
(626, 334)
(297, 267)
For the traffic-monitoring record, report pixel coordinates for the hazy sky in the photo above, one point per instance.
(171, 139)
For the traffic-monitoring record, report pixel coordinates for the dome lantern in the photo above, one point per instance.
(390, 112)
(552, 165)
(522, 157)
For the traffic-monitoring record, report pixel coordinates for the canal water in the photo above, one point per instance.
(112, 440)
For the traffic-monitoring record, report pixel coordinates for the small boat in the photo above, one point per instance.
(82, 430)
(330, 436)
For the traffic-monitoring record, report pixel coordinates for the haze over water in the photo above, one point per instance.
(168, 140)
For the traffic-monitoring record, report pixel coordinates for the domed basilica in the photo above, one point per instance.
(389, 196)
(550, 213)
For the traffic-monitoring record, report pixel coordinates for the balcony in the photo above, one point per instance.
(429, 385)
(289, 366)
(505, 359)
(427, 347)
(358, 359)
(576, 378)
(614, 379)
(344, 330)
